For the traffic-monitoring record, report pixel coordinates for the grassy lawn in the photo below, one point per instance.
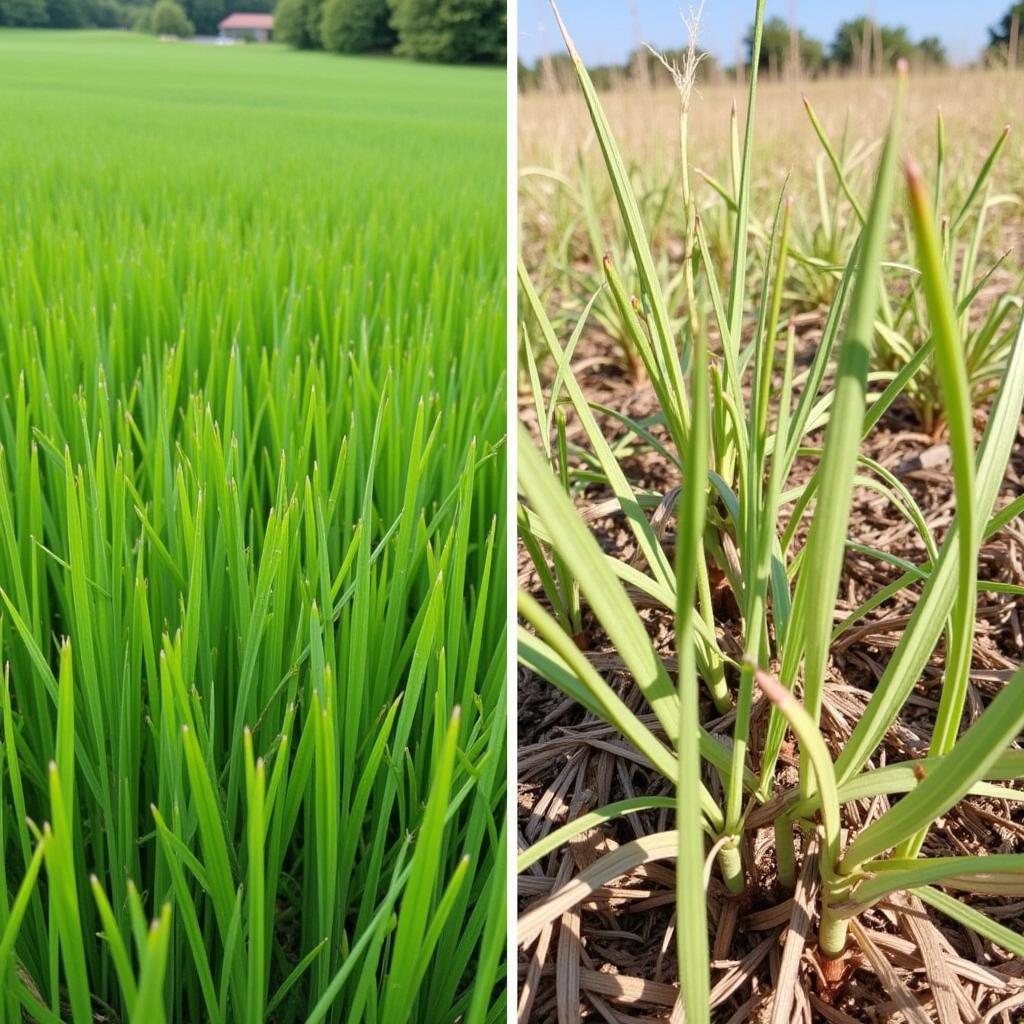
(251, 513)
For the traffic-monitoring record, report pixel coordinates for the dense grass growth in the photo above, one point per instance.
(251, 485)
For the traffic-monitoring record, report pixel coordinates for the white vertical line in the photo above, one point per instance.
(512, 251)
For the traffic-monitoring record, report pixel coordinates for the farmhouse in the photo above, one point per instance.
(243, 25)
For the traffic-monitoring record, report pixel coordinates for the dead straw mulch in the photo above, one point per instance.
(612, 958)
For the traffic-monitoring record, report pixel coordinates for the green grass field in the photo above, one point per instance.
(251, 531)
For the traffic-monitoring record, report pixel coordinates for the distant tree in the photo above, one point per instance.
(931, 50)
(64, 13)
(139, 19)
(356, 26)
(23, 13)
(1005, 32)
(205, 15)
(812, 55)
(999, 34)
(848, 44)
(106, 14)
(775, 48)
(896, 44)
(452, 31)
(293, 20)
(526, 77)
(314, 19)
(168, 18)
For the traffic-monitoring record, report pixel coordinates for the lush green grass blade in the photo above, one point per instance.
(973, 918)
(692, 948)
(559, 836)
(996, 874)
(952, 372)
(929, 616)
(824, 550)
(419, 902)
(16, 913)
(962, 766)
(149, 1004)
(606, 596)
(118, 950)
(629, 210)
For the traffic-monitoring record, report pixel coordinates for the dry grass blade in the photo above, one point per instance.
(742, 973)
(1002, 1009)
(901, 995)
(531, 983)
(614, 865)
(829, 1013)
(951, 1002)
(626, 989)
(796, 937)
(567, 968)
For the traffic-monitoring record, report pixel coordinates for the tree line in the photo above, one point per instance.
(859, 45)
(163, 17)
(451, 31)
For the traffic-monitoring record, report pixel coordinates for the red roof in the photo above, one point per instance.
(242, 20)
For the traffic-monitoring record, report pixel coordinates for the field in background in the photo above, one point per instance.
(554, 131)
(251, 519)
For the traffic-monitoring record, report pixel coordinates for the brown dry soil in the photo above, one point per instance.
(614, 957)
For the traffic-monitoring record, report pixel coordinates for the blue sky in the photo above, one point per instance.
(606, 30)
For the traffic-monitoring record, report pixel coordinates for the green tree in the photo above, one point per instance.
(297, 23)
(847, 47)
(139, 19)
(1006, 31)
(896, 44)
(106, 14)
(453, 31)
(930, 50)
(356, 26)
(205, 15)
(23, 13)
(168, 18)
(775, 48)
(527, 77)
(999, 34)
(64, 13)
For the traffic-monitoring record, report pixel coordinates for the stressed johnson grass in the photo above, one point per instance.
(251, 492)
(732, 416)
(819, 140)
